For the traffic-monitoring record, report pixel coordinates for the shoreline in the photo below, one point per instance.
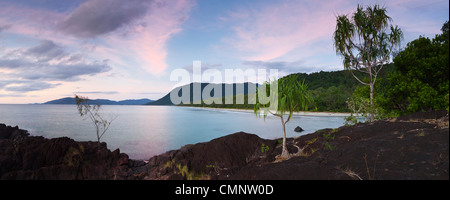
(240, 156)
(299, 113)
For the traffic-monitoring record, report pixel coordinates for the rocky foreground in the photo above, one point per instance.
(408, 147)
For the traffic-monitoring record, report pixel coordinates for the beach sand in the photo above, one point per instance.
(302, 113)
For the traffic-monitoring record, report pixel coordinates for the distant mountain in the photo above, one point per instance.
(166, 99)
(134, 102)
(71, 100)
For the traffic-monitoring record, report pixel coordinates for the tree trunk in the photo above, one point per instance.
(372, 115)
(284, 152)
(369, 69)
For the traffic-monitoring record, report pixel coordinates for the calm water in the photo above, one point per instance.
(144, 131)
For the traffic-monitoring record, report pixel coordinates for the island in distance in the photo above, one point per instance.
(71, 100)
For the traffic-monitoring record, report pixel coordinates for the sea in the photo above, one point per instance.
(145, 131)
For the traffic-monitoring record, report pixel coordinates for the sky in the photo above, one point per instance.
(116, 49)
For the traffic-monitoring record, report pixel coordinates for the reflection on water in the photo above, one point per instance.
(144, 131)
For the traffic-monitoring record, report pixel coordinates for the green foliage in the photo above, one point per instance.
(331, 99)
(279, 141)
(420, 80)
(210, 166)
(329, 90)
(311, 141)
(328, 146)
(264, 148)
(286, 96)
(362, 39)
(329, 137)
(291, 95)
(325, 80)
(312, 150)
(360, 109)
(359, 103)
(178, 168)
(364, 44)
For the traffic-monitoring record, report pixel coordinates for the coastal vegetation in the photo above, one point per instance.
(420, 79)
(416, 80)
(364, 44)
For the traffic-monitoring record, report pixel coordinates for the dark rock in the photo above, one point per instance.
(391, 149)
(28, 157)
(123, 160)
(387, 149)
(298, 129)
(434, 114)
(136, 163)
(8, 132)
(412, 147)
(215, 158)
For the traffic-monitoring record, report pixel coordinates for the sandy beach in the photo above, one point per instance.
(302, 113)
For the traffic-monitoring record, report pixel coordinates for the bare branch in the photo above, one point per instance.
(278, 115)
(101, 125)
(362, 82)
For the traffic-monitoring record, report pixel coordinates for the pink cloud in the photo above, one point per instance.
(145, 42)
(270, 31)
(141, 42)
(292, 28)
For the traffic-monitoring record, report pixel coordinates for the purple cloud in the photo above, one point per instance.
(97, 17)
(31, 69)
(4, 27)
(46, 49)
(30, 86)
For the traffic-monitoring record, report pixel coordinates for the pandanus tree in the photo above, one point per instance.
(363, 42)
(290, 95)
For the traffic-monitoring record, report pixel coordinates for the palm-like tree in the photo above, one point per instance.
(286, 96)
(363, 43)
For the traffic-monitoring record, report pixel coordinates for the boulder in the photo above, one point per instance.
(298, 129)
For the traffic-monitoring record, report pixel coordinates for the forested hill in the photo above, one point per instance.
(326, 80)
(330, 90)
